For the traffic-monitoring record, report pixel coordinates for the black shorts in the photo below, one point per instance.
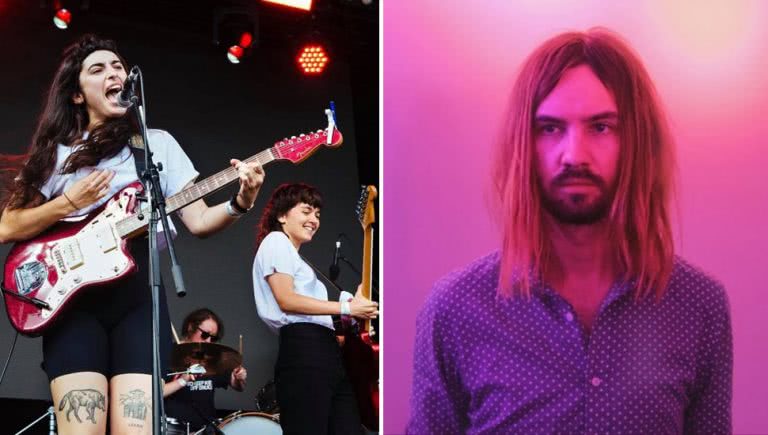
(108, 329)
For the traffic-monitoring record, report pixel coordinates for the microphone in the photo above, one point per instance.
(129, 88)
(333, 271)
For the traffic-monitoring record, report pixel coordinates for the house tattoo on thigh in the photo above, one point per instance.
(135, 404)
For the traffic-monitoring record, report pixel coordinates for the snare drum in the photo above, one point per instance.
(248, 423)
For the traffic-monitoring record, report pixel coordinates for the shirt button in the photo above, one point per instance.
(569, 317)
(596, 381)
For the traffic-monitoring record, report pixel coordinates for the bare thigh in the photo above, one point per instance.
(80, 401)
(131, 397)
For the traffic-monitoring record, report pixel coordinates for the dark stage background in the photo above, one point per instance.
(216, 111)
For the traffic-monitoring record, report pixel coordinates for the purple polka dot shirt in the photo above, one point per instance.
(490, 365)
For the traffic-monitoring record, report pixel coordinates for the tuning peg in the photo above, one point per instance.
(293, 137)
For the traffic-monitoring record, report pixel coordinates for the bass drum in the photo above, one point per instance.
(249, 423)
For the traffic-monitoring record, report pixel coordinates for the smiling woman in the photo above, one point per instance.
(313, 390)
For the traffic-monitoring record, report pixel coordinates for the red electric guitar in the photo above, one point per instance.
(361, 347)
(43, 275)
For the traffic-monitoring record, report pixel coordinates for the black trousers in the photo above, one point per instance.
(313, 391)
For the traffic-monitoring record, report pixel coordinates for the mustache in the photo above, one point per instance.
(575, 173)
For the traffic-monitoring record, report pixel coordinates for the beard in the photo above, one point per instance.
(576, 208)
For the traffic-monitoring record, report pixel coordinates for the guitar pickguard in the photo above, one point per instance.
(69, 257)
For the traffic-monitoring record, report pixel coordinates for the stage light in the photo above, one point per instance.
(235, 28)
(312, 59)
(246, 39)
(235, 53)
(62, 18)
(298, 4)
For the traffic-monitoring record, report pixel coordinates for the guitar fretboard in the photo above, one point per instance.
(132, 224)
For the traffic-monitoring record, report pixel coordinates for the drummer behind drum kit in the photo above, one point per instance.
(217, 359)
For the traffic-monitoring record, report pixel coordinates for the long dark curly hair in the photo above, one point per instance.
(283, 199)
(62, 122)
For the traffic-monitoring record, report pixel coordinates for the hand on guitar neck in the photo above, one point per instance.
(251, 177)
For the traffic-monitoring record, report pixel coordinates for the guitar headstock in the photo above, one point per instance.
(365, 211)
(296, 149)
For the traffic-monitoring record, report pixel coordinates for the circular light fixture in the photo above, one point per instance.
(62, 18)
(234, 53)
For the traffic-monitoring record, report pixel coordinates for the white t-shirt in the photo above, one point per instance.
(277, 254)
(177, 171)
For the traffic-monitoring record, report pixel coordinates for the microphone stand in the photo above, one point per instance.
(374, 291)
(154, 195)
(374, 283)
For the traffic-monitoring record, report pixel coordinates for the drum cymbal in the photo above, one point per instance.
(216, 358)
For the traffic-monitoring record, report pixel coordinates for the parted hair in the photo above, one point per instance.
(62, 122)
(639, 216)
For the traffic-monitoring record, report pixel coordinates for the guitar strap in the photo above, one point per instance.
(137, 149)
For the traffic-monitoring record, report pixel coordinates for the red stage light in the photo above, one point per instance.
(234, 53)
(246, 39)
(312, 59)
(62, 18)
(298, 4)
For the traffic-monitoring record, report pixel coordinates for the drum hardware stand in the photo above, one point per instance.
(51, 422)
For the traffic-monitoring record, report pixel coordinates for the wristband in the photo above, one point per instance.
(183, 382)
(237, 206)
(345, 311)
(231, 211)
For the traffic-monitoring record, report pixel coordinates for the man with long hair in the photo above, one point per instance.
(585, 321)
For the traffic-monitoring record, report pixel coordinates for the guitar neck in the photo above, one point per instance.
(213, 183)
(367, 274)
(132, 226)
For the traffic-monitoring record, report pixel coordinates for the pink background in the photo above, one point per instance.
(448, 67)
